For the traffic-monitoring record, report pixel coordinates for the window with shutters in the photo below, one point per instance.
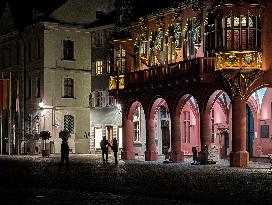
(69, 122)
(99, 99)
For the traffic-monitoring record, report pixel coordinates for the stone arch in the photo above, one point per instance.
(183, 100)
(157, 128)
(130, 108)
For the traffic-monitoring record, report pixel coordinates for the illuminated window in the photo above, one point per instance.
(99, 67)
(237, 33)
(136, 124)
(68, 50)
(121, 59)
(186, 127)
(68, 88)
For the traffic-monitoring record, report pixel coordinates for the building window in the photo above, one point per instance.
(99, 39)
(69, 123)
(136, 124)
(99, 99)
(108, 66)
(212, 119)
(39, 49)
(111, 101)
(38, 87)
(68, 88)
(121, 60)
(264, 131)
(29, 89)
(68, 50)
(233, 32)
(186, 127)
(29, 52)
(99, 67)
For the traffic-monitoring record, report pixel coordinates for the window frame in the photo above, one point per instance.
(68, 50)
(66, 86)
(73, 123)
(99, 67)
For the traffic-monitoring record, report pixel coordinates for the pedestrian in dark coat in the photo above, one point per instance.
(115, 149)
(104, 148)
(64, 153)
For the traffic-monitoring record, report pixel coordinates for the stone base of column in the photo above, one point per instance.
(151, 156)
(126, 155)
(177, 156)
(239, 159)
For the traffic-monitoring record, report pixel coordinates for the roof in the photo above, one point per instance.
(105, 20)
(81, 11)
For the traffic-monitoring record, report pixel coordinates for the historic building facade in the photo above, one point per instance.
(105, 112)
(198, 72)
(48, 60)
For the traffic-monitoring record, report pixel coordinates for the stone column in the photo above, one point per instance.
(205, 130)
(150, 153)
(127, 153)
(239, 157)
(176, 154)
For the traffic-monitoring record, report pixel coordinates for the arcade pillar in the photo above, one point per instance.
(150, 153)
(176, 154)
(127, 153)
(205, 130)
(239, 157)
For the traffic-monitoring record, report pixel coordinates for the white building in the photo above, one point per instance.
(49, 62)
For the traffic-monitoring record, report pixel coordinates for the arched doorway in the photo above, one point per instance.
(163, 131)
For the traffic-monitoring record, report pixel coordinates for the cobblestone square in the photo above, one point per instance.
(36, 180)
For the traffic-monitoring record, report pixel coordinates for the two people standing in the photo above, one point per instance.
(104, 144)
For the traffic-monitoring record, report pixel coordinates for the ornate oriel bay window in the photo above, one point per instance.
(236, 40)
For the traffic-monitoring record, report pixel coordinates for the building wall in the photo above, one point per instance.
(55, 70)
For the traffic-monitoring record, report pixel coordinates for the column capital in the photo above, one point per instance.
(238, 83)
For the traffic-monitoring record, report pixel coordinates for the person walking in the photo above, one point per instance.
(104, 148)
(115, 149)
(64, 154)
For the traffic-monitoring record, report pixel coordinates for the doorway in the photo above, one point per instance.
(249, 130)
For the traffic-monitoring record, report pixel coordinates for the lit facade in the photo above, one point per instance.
(50, 64)
(204, 63)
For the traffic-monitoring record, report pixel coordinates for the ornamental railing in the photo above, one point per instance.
(183, 69)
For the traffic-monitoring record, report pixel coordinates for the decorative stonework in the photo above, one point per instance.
(239, 82)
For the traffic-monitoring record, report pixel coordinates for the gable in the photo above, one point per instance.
(7, 23)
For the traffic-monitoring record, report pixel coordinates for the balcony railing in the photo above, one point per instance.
(177, 70)
(173, 71)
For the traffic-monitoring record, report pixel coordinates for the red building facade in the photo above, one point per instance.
(204, 64)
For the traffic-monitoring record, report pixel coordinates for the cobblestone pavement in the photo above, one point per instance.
(37, 180)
